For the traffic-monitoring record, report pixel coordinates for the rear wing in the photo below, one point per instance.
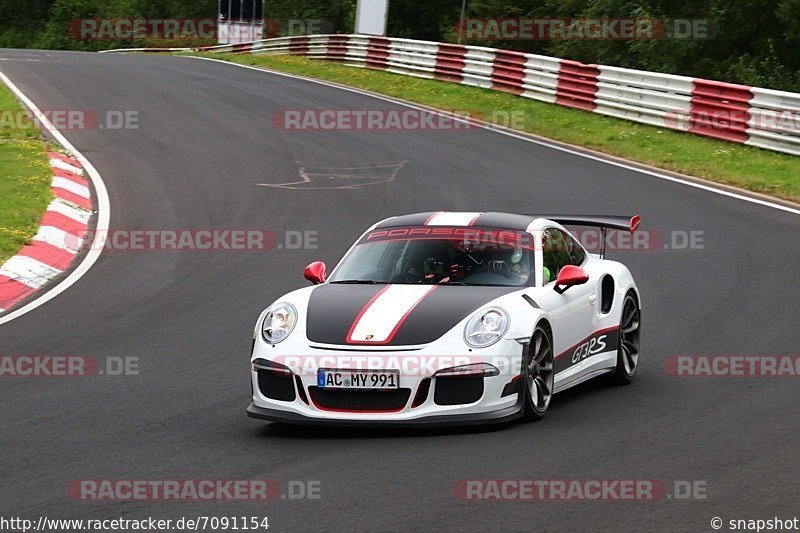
(604, 222)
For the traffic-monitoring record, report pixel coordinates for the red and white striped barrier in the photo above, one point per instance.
(735, 113)
(60, 236)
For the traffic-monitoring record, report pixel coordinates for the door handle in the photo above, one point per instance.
(593, 298)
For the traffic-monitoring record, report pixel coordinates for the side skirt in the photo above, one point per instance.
(597, 365)
(582, 379)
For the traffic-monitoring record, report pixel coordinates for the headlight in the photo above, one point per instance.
(279, 322)
(486, 327)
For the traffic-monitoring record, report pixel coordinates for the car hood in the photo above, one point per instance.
(391, 314)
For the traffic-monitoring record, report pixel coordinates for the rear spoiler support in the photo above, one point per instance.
(603, 232)
(604, 222)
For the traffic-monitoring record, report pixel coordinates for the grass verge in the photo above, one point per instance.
(742, 166)
(25, 177)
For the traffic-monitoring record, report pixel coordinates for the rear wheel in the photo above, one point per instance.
(629, 332)
(538, 374)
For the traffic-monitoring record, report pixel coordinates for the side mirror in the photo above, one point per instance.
(569, 276)
(315, 272)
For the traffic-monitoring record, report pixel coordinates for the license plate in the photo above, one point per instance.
(358, 379)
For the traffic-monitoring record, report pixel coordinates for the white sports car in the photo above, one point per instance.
(448, 318)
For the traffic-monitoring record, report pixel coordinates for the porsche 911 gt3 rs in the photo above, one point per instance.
(448, 318)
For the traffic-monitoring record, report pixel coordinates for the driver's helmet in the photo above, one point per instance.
(434, 265)
(512, 258)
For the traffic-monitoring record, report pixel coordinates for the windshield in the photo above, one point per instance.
(440, 255)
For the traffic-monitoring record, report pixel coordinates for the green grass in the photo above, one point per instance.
(24, 178)
(750, 168)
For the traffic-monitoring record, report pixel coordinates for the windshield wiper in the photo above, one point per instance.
(359, 281)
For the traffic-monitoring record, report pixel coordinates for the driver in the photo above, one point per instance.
(434, 269)
(513, 264)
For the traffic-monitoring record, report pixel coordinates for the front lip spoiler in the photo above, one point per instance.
(493, 417)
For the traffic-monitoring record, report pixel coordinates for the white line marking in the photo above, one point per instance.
(59, 238)
(103, 211)
(28, 271)
(68, 209)
(66, 166)
(600, 159)
(71, 186)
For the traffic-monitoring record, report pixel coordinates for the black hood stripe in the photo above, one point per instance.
(334, 310)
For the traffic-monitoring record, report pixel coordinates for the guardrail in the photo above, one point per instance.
(736, 113)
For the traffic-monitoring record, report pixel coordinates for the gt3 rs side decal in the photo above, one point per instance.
(604, 340)
(380, 319)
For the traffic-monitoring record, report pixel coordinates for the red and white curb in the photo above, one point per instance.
(60, 235)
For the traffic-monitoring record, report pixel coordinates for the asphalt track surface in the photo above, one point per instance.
(204, 143)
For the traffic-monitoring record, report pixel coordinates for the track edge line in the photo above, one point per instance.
(103, 211)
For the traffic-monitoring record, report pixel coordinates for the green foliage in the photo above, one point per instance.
(338, 13)
(25, 176)
(753, 42)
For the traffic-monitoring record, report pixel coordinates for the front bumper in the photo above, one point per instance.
(474, 419)
(297, 400)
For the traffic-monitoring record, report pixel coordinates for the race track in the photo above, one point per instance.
(204, 143)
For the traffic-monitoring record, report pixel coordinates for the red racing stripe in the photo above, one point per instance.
(396, 327)
(364, 310)
(428, 220)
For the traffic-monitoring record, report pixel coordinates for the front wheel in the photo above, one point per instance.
(628, 351)
(538, 374)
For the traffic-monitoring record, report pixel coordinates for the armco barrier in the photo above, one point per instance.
(736, 113)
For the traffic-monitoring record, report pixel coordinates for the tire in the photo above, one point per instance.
(538, 374)
(629, 340)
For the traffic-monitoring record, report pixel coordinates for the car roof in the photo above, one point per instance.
(461, 218)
